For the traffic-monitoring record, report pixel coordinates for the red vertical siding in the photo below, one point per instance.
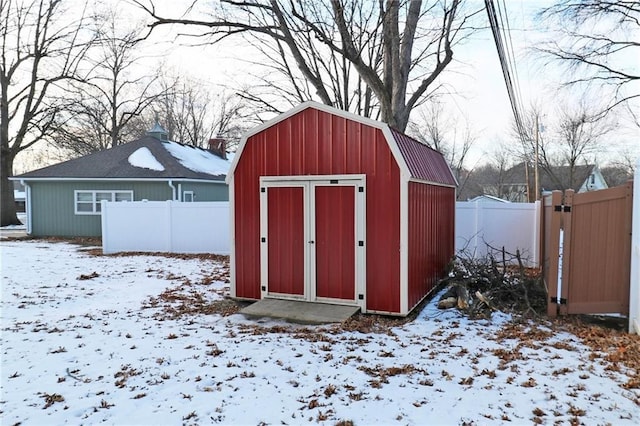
(285, 240)
(431, 237)
(335, 242)
(383, 230)
(322, 144)
(247, 227)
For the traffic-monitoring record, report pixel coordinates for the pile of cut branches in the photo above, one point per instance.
(499, 281)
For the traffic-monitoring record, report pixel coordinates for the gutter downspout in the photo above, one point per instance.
(173, 190)
(27, 200)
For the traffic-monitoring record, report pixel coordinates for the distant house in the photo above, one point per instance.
(518, 183)
(65, 199)
(484, 198)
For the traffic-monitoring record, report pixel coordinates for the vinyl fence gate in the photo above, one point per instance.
(586, 251)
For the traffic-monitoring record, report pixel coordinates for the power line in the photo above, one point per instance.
(507, 61)
(511, 53)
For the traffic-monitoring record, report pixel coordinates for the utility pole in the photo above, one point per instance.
(535, 166)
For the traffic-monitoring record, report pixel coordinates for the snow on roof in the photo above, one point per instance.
(197, 159)
(143, 158)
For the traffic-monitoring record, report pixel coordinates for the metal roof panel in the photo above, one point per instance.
(424, 163)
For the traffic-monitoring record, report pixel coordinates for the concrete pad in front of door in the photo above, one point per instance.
(300, 312)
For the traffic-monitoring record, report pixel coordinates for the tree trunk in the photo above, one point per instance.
(8, 201)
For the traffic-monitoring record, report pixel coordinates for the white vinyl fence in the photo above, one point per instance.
(514, 226)
(166, 226)
(203, 227)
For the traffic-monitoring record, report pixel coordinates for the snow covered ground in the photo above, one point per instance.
(107, 339)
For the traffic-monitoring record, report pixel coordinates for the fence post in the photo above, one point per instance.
(628, 220)
(168, 228)
(541, 234)
(634, 273)
(476, 228)
(104, 217)
(551, 224)
(537, 239)
(566, 251)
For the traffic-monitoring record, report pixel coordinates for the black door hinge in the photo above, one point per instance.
(562, 208)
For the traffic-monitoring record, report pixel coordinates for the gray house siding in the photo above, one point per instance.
(53, 205)
(205, 191)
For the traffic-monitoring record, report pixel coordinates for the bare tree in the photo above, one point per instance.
(579, 132)
(499, 182)
(599, 45)
(283, 85)
(228, 118)
(431, 127)
(452, 136)
(193, 116)
(41, 46)
(558, 143)
(497, 176)
(102, 108)
(530, 145)
(617, 173)
(399, 64)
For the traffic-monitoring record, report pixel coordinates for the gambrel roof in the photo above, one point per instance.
(414, 158)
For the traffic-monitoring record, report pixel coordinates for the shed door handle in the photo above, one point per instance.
(311, 242)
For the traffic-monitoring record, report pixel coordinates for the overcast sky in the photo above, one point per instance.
(476, 75)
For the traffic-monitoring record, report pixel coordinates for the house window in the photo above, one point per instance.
(188, 197)
(88, 202)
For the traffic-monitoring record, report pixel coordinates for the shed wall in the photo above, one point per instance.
(314, 142)
(431, 237)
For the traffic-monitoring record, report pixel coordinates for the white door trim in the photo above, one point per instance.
(309, 183)
(264, 232)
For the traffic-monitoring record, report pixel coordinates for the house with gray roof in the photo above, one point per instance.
(518, 183)
(65, 199)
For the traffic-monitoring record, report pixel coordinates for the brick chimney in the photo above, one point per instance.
(218, 146)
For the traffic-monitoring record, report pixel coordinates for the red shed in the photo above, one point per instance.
(328, 206)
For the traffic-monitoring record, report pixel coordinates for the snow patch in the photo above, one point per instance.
(198, 160)
(83, 343)
(144, 159)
